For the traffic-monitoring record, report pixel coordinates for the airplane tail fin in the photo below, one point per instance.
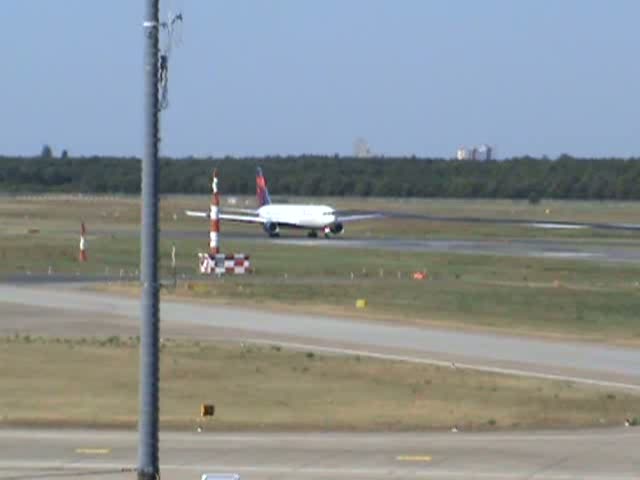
(262, 193)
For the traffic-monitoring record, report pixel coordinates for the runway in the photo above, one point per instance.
(63, 310)
(66, 311)
(505, 221)
(72, 454)
(515, 248)
(620, 252)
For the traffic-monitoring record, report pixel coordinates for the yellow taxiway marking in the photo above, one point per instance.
(413, 458)
(93, 451)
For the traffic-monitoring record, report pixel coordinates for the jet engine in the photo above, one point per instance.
(272, 229)
(337, 228)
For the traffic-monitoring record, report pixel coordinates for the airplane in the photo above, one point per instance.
(273, 216)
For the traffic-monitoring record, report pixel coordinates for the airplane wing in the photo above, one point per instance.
(193, 213)
(228, 216)
(358, 217)
(242, 218)
(246, 211)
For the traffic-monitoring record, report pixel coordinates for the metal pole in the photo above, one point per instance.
(148, 468)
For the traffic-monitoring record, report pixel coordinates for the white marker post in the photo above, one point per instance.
(173, 265)
(83, 252)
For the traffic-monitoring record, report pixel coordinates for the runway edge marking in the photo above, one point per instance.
(93, 451)
(443, 363)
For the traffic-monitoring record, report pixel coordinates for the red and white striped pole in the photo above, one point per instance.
(214, 216)
(83, 253)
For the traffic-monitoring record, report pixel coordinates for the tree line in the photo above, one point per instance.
(311, 175)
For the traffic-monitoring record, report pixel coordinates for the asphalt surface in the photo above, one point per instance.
(65, 311)
(504, 221)
(72, 454)
(516, 248)
(622, 252)
(62, 310)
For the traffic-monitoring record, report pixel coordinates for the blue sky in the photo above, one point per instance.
(290, 76)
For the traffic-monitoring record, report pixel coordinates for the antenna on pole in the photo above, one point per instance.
(172, 30)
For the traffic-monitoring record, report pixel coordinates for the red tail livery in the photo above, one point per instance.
(262, 193)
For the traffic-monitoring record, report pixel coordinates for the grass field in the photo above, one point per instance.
(574, 299)
(555, 210)
(93, 382)
(567, 299)
(62, 214)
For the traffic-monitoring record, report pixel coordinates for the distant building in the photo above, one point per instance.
(483, 152)
(361, 148)
(463, 153)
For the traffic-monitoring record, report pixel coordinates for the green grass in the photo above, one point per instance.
(62, 214)
(559, 210)
(93, 382)
(574, 299)
(421, 229)
(577, 299)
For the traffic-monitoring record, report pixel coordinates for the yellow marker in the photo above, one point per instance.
(93, 451)
(413, 458)
(207, 410)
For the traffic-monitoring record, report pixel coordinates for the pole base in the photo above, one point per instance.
(148, 476)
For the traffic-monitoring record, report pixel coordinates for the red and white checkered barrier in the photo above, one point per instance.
(214, 261)
(221, 264)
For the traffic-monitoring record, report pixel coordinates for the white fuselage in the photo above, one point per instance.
(302, 216)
